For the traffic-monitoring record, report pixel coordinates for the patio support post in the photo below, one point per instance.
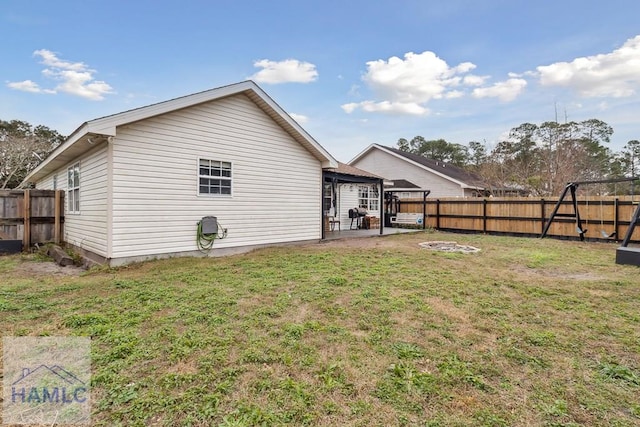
(322, 234)
(424, 209)
(381, 204)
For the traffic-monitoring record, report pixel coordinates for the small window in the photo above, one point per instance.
(73, 188)
(214, 177)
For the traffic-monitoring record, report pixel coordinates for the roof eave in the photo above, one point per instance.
(106, 126)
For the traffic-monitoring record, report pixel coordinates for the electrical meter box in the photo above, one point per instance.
(209, 225)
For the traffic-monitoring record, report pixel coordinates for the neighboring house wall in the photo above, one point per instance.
(392, 167)
(276, 182)
(88, 228)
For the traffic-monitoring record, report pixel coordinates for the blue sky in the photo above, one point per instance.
(351, 72)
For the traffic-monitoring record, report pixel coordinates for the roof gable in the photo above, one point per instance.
(452, 173)
(81, 139)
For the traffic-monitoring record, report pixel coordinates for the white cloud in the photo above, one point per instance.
(299, 118)
(506, 91)
(615, 74)
(25, 86)
(51, 60)
(408, 108)
(75, 78)
(406, 85)
(287, 71)
(417, 78)
(350, 107)
(454, 94)
(473, 80)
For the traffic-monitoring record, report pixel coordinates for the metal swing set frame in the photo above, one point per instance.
(624, 254)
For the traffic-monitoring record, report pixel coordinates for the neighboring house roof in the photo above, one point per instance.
(453, 173)
(346, 169)
(102, 128)
(402, 183)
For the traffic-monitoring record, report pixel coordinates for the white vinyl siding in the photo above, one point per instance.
(392, 168)
(156, 206)
(88, 230)
(48, 183)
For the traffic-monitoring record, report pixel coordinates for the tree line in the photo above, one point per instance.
(540, 158)
(22, 148)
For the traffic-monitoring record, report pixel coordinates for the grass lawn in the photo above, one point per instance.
(363, 332)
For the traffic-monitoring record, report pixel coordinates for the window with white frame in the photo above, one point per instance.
(327, 199)
(73, 188)
(214, 177)
(368, 198)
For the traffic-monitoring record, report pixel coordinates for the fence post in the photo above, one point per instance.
(484, 216)
(616, 217)
(56, 220)
(542, 217)
(437, 214)
(26, 236)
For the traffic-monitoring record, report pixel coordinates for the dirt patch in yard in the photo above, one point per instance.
(48, 268)
(558, 274)
(381, 242)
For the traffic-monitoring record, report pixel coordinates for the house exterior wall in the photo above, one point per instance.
(47, 182)
(88, 228)
(392, 168)
(276, 188)
(348, 199)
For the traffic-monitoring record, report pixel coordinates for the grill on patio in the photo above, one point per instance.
(356, 214)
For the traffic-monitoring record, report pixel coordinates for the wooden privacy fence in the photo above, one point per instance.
(31, 216)
(528, 216)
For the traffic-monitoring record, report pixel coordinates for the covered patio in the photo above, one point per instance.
(352, 202)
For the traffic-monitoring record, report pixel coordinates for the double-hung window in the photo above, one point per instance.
(73, 188)
(214, 177)
(368, 198)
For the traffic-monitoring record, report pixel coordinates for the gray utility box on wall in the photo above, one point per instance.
(209, 225)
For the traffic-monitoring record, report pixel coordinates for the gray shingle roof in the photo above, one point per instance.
(444, 168)
(403, 183)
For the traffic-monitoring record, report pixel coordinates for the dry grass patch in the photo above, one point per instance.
(373, 331)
